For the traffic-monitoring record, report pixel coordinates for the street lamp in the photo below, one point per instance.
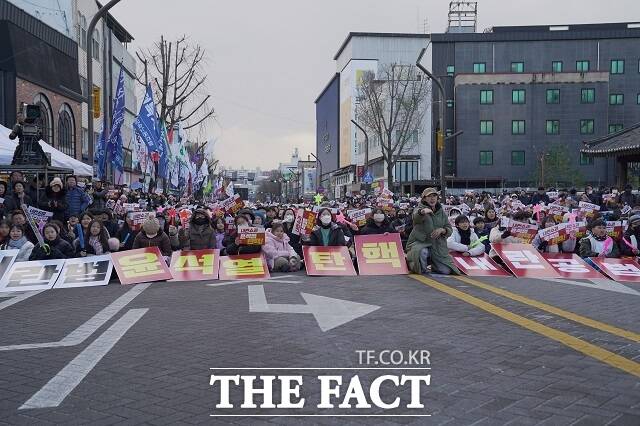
(366, 149)
(319, 169)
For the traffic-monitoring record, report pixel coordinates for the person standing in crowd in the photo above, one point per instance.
(540, 196)
(597, 243)
(18, 241)
(56, 248)
(18, 197)
(152, 236)
(199, 235)
(99, 195)
(280, 256)
(77, 199)
(463, 239)
(54, 199)
(327, 232)
(428, 239)
(377, 224)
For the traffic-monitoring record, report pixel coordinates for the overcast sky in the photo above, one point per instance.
(269, 59)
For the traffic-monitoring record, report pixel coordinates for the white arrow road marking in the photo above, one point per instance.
(258, 280)
(598, 283)
(62, 384)
(328, 312)
(18, 298)
(81, 333)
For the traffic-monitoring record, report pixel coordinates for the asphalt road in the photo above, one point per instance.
(497, 351)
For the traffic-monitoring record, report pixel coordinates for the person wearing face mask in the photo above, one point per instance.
(288, 220)
(199, 235)
(377, 224)
(630, 244)
(463, 239)
(232, 242)
(597, 243)
(327, 233)
(428, 239)
(18, 241)
(152, 236)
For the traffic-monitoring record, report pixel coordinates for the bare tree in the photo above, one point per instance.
(392, 107)
(175, 69)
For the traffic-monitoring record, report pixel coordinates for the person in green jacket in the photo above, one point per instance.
(428, 239)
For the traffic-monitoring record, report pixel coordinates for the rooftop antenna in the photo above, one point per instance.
(425, 26)
(463, 17)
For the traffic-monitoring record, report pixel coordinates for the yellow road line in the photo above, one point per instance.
(586, 348)
(626, 334)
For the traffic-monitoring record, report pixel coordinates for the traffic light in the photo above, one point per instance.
(96, 102)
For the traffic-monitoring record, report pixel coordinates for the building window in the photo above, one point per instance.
(517, 66)
(586, 127)
(406, 171)
(127, 158)
(556, 66)
(553, 96)
(616, 99)
(486, 158)
(553, 127)
(587, 96)
(585, 160)
(451, 70)
(615, 128)
(617, 66)
(66, 131)
(486, 96)
(449, 103)
(517, 158)
(82, 31)
(96, 45)
(517, 127)
(582, 66)
(486, 127)
(479, 67)
(45, 122)
(518, 96)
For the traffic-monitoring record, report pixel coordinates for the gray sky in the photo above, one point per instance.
(269, 59)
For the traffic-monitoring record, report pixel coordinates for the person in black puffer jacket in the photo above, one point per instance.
(54, 200)
(57, 247)
(378, 224)
(200, 235)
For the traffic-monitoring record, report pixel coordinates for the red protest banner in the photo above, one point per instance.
(615, 229)
(328, 261)
(478, 266)
(251, 235)
(243, 266)
(524, 261)
(525, 231)
(624, 270)
(571, 266)
(140, 266)
(233, 205)
(195, 265)
(305, 221)
(380, 255)
(359, 217)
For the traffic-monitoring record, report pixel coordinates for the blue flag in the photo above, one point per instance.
(100, 154)
(145, 124)
(115, 138)
(163, 148)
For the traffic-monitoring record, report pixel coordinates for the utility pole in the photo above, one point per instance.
(319, 170)
(366, 150)
(92, 25)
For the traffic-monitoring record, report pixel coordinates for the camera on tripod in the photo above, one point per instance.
(30, 115)
(29, 134)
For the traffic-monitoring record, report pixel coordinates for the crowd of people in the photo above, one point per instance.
(87, 219)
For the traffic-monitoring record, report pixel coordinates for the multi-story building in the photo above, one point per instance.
(519, 93)
(338, 105)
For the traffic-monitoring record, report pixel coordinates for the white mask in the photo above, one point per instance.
(379, 217)
(288, 218)
(326, 219)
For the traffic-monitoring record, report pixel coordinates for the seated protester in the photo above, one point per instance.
(502, 235)
(218, 228)
(96, 241)
(327, 232)
(232, 242)
(567, 246)
(18, 241)
(170, 230)
(104, 216)
(378, 224)
(64, 233)
(57, 248)
(480, 230)
(18, 218)
(127, 234)
(199, 235)
(463, 239)
(271, 215)
(428, 239)
(71, 226)
(631, 239)
(597, 243)
(54, 199)
(85, 220)
(491, 220)
(280, 256)
(152, 236)
(289, 219)
(258, 220)
(3, 195)
(17, 198)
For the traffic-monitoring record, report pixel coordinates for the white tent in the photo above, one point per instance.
(58, 158)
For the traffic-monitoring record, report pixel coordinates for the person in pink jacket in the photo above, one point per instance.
(281, 257)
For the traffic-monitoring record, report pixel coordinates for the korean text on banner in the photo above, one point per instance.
(328, 261)
(304, 223)
(195, 265)
(140, 266)
(623, 270)
(571, 266)
(478, 266)
(524, 261)
(243, 266)
(233, 205)
(380, 255)
(85, 272)
(34, 275)
(251, 235)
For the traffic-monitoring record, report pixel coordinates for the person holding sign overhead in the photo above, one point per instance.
(428, 239)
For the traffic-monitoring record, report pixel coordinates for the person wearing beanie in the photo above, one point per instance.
(597, 243)
(199, 235)
(152, 236)
(54, 199)
(629, 246)
(463, 239)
